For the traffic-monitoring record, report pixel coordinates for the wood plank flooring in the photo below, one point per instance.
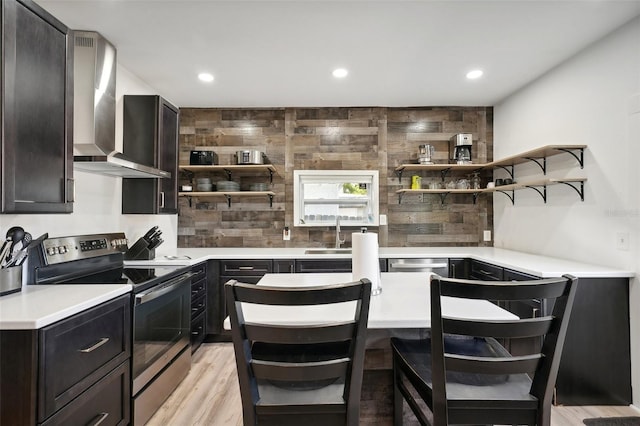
(210, 396)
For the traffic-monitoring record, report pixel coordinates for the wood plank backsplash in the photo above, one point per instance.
(334, 138)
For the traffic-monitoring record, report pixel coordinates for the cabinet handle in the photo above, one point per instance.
(291, 268)
(94, 347)
(453, 272)
(482, 271)
(534, 312)
(73, 190)
(245, 268)
(162, 199)
(98, 419)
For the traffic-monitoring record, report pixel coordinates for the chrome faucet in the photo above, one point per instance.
(338, 240)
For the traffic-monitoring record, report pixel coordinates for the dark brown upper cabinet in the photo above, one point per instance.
(36, 111)
(150, 136)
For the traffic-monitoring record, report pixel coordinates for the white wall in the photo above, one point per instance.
(98, 204)
(593, 99)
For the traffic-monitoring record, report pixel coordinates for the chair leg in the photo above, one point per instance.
(397, 399)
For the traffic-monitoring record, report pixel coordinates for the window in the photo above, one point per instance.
(321, 197)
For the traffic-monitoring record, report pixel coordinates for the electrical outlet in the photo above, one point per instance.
(622, 241)
(286, 234)
(383, 219)
(486, 235)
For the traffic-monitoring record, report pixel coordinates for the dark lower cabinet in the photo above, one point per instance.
(595, 368)
(246, 271)
(36, 111)
(329, 265)
(458, 268)
(106, 403)
(198, 305)
(75, 371)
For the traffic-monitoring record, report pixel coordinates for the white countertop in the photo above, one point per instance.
(38, 306)
(403, 303)
(541, 266)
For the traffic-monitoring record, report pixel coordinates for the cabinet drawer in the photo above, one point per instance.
(200, 272)
(485, 271)
(511, 275)
(106, 403)
(245, 267)
(198, 332)
(198, 289)
(198, 306)
(76, 352)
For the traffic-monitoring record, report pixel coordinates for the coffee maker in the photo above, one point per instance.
(460, 148)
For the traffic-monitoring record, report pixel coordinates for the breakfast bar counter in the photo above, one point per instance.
(404, 302)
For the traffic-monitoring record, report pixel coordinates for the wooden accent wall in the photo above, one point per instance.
(334, 138)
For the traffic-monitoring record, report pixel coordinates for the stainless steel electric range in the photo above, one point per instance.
(161, 301)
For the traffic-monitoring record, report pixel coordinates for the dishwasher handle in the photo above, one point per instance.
(163, 289)
(417, 265)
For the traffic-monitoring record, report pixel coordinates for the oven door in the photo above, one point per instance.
(161, 327)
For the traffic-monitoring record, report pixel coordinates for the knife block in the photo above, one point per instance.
(140, 251)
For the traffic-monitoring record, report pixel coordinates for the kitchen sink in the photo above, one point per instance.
(328, 251)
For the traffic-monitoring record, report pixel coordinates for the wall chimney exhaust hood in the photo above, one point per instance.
(94, 111)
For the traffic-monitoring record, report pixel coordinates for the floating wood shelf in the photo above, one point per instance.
(538, 156)
(229, 194)
(231, 169)
(576, 183)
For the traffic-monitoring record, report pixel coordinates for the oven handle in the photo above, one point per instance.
(163, 289)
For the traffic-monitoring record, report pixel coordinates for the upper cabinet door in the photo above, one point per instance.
(37, 111)
(150, 136)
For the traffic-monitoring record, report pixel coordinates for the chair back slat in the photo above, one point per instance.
(296, 296)
(529, 327)
(316, 333)
(300, 372)
(504, 290)
(300, 358)
(490, 365)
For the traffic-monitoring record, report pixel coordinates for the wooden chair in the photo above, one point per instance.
(300, 374)
(465, 376)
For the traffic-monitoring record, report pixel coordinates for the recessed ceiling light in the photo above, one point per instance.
(473, 74)
(340, 73)
(206, 77)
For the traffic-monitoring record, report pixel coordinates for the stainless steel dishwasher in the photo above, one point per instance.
(438, 266)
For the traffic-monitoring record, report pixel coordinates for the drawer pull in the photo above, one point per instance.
(99, 419)
(94, 347)
(482, 271)
(245, 268)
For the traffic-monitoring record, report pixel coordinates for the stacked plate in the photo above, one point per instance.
(204, 185)
(228, 186)
(258, 187)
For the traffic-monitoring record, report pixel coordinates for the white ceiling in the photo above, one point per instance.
(399, 53)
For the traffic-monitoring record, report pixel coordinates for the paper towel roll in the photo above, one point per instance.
(365, 259)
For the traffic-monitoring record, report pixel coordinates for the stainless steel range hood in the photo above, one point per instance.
(94, 116)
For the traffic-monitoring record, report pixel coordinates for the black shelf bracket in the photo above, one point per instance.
(475, 197)
(443, 196)
(228, 172)
(270, 176)
(444, 173)
(270, 201)
(512, 197)
(575, 187)
(542, 164)
(579, 157)
(228, 197)
(190, 175)
(400, 197)
(542, 193)
(508, 169)
(399, 173)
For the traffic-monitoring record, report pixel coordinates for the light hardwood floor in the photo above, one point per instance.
(210, 396)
